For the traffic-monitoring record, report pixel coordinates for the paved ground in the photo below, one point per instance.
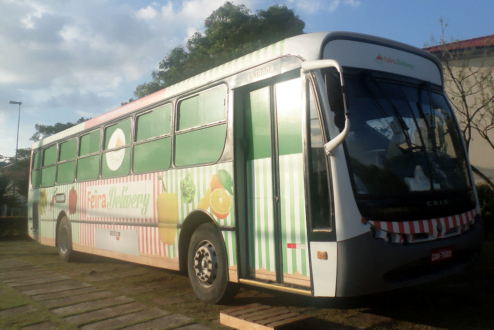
(37, 291)
(78, 303)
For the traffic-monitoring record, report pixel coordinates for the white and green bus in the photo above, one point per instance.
(328, 164)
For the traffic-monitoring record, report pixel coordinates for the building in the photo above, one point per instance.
(472, 54)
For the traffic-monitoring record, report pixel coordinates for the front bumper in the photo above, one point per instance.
(368, 265)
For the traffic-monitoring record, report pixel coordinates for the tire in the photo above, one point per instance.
(210, 283)
(64, 241)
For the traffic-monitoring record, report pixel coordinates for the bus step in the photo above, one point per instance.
(259, 317)
(276, 286)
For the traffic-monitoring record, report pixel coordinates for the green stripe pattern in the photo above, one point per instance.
(260, 192)
(293, 224)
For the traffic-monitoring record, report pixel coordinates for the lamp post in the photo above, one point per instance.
(17, 142)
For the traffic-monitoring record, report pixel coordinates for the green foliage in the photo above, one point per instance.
(231, 32)
(127, 102)
(47, 130)
(14, 177)
(486, 199)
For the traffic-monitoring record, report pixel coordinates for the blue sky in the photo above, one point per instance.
(67, 59)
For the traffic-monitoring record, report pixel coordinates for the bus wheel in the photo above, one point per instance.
(65, 240)
(207, 265)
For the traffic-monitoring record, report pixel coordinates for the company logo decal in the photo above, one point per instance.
(261, 73)
(389, 60)
(115, 158)
(118, 197)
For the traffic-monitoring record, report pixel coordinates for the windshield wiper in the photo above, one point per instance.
(431, 127)
(404, 127)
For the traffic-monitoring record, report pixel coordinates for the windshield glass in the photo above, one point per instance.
(402, 138)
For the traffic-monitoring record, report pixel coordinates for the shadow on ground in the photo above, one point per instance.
(463, 301)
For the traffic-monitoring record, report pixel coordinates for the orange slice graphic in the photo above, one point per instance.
(220, 203)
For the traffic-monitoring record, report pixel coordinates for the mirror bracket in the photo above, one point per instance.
(334, 143)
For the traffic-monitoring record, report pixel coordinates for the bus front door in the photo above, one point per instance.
(269, 117)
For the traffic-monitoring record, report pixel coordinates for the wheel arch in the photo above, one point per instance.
(59, 219)
(193, 220)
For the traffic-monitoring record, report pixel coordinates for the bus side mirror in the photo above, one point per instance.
(336, 94)
(337, 98)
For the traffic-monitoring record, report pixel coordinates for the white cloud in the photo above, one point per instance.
(37, 10)
(353, 3)
(86, 114)
(313, 7)
(146, 13)
(63, 59)
(334, 4)
(69, 33)
(167, 10)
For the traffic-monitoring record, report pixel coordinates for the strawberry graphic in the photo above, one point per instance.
(379, 57)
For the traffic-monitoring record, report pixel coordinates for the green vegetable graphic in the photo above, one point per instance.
(187, 188)
(226, 180)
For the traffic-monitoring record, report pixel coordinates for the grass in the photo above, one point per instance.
(463, 301)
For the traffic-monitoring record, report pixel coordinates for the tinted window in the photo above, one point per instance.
(68, 150)
(66, 172)
(89, 143)
(204, 108)
(154, 123)
(88, 168)
(318, 174)
(50, 156)
(36, 160)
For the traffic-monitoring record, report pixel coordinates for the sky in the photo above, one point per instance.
(69, 59)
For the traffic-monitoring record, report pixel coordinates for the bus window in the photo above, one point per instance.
(154, 123)
(89, 143)
(68, 150)
(196, 144)
(117, 138)
(35, 172)
(205, 108)
(88, 166)
(150, 153)
(66, 169)
(318, 174)
(49, 168)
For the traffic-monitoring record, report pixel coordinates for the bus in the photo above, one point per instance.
(328, 164)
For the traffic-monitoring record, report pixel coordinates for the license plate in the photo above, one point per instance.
(441, 254)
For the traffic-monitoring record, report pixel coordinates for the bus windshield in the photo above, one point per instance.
(403, 138)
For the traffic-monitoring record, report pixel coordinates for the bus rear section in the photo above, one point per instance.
(405, 207)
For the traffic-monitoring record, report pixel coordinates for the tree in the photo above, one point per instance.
(17, 169)
(469, 84)
(43, 131)
(231, 31)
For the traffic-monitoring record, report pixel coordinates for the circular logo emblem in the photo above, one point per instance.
(115, 158)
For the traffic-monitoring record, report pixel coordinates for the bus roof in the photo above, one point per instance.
(307, 46)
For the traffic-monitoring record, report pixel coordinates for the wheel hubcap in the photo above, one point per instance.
(206, 263)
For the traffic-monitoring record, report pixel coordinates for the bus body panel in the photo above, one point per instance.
(365, 55)
(120, 217)
(366, 264)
